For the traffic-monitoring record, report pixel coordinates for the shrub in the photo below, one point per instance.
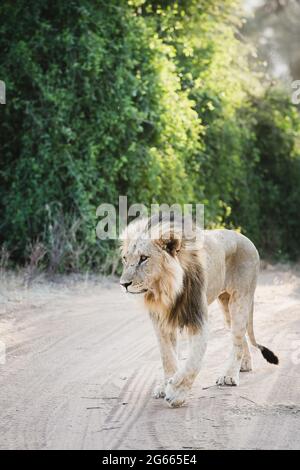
(150, 99)
(94, 109)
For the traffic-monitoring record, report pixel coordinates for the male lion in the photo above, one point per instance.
(178, 277)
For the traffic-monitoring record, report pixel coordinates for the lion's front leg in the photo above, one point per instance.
(167, 346)
(180, 384)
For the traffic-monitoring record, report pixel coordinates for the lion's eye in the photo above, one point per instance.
(143, 258)
(124, 259)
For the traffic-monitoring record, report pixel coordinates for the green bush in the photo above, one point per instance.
(150, 99)
(94, 109)
(249, 174)
(276, 127)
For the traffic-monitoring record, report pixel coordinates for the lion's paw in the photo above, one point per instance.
(227, 380)
(175, 396)
(160, 390)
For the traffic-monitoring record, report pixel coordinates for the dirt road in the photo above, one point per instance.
(82, 360)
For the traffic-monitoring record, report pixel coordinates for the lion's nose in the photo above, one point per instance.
(125, 284)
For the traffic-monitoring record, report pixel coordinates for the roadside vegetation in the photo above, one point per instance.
(155, 100)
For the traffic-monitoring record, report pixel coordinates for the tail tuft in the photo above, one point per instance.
(268, 355)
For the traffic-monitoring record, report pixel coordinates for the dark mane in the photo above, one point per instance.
(188, 310)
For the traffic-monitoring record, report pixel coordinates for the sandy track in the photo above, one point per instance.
(81, 365)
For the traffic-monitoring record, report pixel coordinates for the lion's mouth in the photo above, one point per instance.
(137, 292)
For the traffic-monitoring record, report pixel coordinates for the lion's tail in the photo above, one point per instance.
(267, 353)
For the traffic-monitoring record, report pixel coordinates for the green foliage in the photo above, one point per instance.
(149, 99)
(276, 127)
(94, 109)
(249, 174)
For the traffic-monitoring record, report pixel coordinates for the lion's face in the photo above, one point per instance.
(142, 265)
(150, 266)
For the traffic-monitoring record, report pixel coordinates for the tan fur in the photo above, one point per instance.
(178, 279)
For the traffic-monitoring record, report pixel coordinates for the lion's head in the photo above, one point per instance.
(163, 266)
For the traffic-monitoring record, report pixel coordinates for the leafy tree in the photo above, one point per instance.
(150, 99)
(94, 109)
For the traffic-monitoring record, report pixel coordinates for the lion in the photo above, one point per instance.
(178, 276)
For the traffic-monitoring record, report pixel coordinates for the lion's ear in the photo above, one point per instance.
(171, 245)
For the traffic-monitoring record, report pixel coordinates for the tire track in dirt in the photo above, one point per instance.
(74, 365)
(137, 397)
(125, 396)
(134, 351)
(39, 383)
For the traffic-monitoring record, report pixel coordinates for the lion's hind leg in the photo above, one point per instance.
(224, 304)
(239, 307)
(246, 364)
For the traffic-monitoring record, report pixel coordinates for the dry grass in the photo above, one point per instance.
(16, 292)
